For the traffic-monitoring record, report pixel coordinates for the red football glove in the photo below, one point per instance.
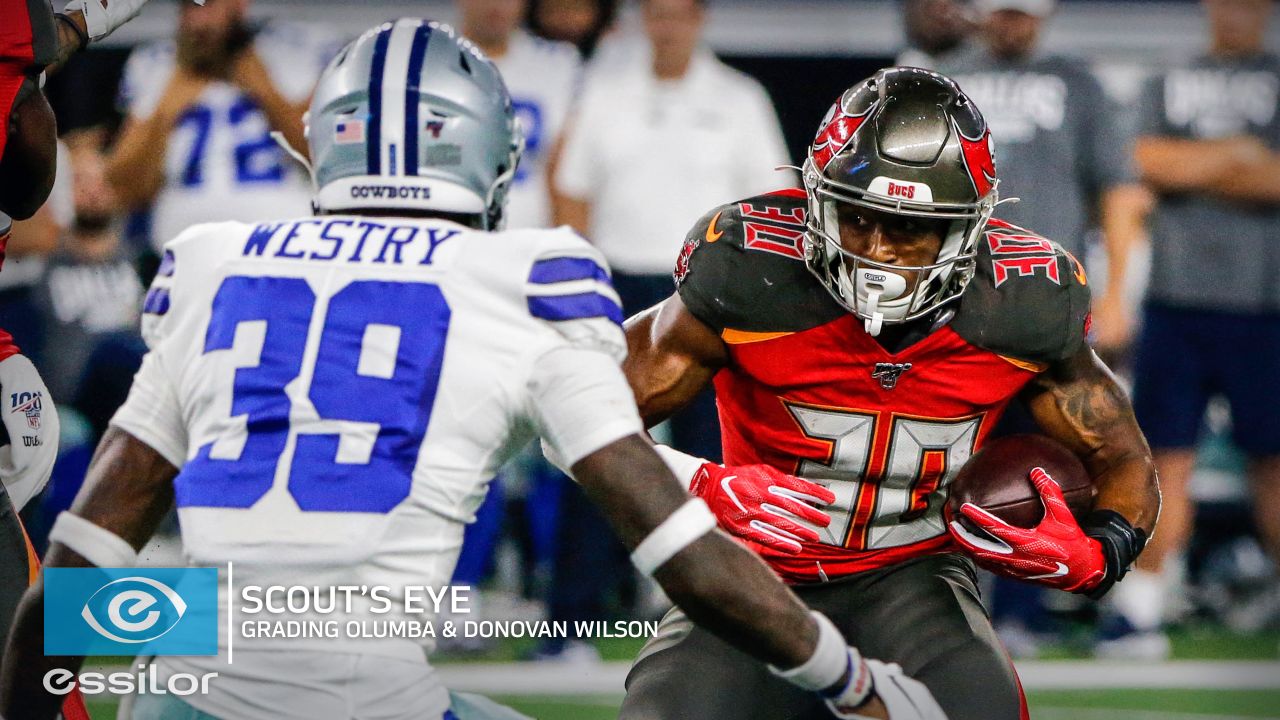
(1056, 552)
(763, 505)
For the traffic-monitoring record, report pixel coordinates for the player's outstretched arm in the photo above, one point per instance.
(1079, 403)
(731, 592)
(708, 578)
(127, 491)
(671, 357)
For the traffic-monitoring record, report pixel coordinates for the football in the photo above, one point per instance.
(996, 479)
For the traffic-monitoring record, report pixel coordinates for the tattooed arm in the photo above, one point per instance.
(1079, 403)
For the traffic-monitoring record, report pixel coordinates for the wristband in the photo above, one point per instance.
(688, 523)
(98, 545)
(830, 660)
(1121, 544)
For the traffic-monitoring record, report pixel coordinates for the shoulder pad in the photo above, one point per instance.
(1028, 300)
(742, 267)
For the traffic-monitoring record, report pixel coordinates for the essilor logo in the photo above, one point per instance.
(131, 607)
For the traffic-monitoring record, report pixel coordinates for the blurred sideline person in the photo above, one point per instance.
(542, 77)
(471, 303)
(580, 22)
(937, 32)
(1064, 147)
(196, 145)
(866, 333)
(90, 300)
(1209, 146)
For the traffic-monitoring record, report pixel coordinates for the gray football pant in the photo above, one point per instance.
(924, 614)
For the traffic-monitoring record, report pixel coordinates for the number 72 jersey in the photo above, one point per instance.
(338, 391)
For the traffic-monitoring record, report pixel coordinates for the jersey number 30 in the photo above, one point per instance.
(372, 375)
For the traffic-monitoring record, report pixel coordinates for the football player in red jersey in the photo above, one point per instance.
(865, 333)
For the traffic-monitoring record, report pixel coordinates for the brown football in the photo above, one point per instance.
(996, 479)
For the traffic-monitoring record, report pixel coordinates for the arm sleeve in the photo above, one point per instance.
(581, 402)
(31, 421)
(577, 172)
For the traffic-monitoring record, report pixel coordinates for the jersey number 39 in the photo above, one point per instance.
(372, 375)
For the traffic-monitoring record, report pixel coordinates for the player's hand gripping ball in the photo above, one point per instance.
(1055, 552)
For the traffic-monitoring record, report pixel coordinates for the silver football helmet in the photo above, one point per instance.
(410, 116)
(907, 142)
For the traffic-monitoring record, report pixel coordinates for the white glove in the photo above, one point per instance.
(102, 17)
(32, 424)
(905, 698)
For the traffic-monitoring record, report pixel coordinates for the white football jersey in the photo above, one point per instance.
(542, 77)
(221, 163)
(338, 392)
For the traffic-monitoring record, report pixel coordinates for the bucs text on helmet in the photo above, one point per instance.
(905, 141)
(410, 116)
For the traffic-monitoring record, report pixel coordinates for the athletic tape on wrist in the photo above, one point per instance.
(683, 466)
(688, 523)
(830, 659)
(95, 544)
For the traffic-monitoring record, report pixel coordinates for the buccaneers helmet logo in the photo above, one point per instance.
(835, 133)
(979, 160)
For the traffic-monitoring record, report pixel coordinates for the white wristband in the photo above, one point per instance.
(688, 523)
(95, 544)
(683, 466)
(830, 659)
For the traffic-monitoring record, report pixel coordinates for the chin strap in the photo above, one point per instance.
(875, 323)
(877, 284)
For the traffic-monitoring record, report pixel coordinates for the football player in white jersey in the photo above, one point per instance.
(542, 77)
(207, 102)
(326, 398)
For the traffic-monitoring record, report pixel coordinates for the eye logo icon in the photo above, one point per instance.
(134, 610)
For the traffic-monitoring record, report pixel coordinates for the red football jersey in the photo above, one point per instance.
(809, 392)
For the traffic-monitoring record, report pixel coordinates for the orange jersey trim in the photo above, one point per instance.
(742, 337)
(1027, 365)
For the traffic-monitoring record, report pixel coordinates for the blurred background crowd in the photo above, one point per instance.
(1141, 135)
